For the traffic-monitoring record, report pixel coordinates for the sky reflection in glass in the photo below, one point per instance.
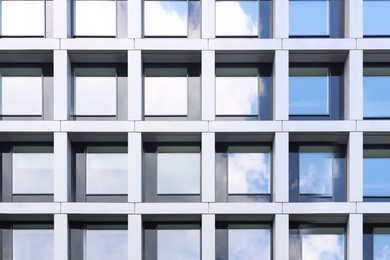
(33, 244)
(376, 177)
(309, 17)
(237, 18)
(178, 244)
(376, 17)
(244, 244)
(381, 244)
(322, 246)
(376, 96)
(106, 244)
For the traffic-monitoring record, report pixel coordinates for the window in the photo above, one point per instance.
(243, 18)
(376, 177)
(247, 240)
(376, 94)
(100, 18)
(100, 173)
(317, 173)
(165, 241)
(27, 173)
(316, 18)
(21, 241)
(172, 93)
(243, 172)
(98, 241)
(22, 18)
(315, 93)
(180, 18)
(375, 18)
(99, 93)
(376, 241)
(243, 92)
(166, 183)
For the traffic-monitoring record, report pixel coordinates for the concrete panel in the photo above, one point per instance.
(354, 18)
(135, 167)
(171, 126)
(355, 167)
(134, 17)
(29, 208)
(62, 85)
(208, 167)
(97, 208)
(319, 44)
(208, 19)
(134, 237)
(62, 167)
(245, 44)
(280, 80)
(245, 126)
(61, 18)
(373, 44)
(373, 207)
(135, 85)
(170, 44)
(29, 126)
(280, 244)
(97, 44)
(29, 44)
(208, 85)
(373, 126)
(280, 167)
(208, 237)
(319, 126)
(97, 126)
(355, 237)
(61, 237)
(171, 208)
(353, 84)
(246, 208)
(280, 19)
(319, 208)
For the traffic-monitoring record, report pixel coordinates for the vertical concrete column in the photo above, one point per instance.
(353, 18)
(355, 237)
(208, 236)
(280, 74)
(280, 19)
(208, 19)
(135, 167)
(135, 237)
(208, 85)
(280, 245)
(62, 85)
(280, 167)
(62, 167)
(61, 237)
(62, 18)
(135, 85)
(355, 167)
(134, 17)
(208, 167)
(353, 84)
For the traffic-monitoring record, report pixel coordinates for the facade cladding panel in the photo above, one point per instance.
(195, 129)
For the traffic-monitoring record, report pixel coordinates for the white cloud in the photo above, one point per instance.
(323, 246)
(247, 244)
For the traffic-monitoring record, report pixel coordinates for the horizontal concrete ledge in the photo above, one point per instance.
(171, 126)
(373, 125)
(373, 207)
(245, 126)
(97, 126)
(318, 44)
(29, 44)
(319, 208)
(319, 126)
(245, 44)
(245, 208)
(171, 208)
(97, 208)
(29, 208)
(373, 44)
(171, 44)
(29, 126)
(97, 44)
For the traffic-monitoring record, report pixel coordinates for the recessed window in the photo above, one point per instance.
(376, 92)
(243, 93)
(317, 173)
(315, 93)
(95, 18)
(243, 18)
(172, 18)
(376, 18)
(381, 237)
(22, 18)
(315, 18)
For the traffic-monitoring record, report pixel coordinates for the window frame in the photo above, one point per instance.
(264, 103)
(335, 20)
(338, 183)
(335, 87)
(79, 174)
(150, 171)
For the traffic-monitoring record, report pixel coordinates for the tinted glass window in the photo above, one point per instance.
(32, 244)
(376, 173)
(376, 17)
(376, 92)
(381, 243)
(322, 244)
(178, 244)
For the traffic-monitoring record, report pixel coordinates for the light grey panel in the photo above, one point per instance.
(48, 98)
(122, 98)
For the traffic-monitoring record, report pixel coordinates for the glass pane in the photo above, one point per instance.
(178, 173)
(308, 95)
(237, 96)
(178, 244)
(381, 246)
(376, 17)
(237, 18)
(95, 96)
(95, 18)
(376, 96)
(22, 18)
(165, 18)
(106, 244)
(248, 173)
(107, 173)
(166, 96)
(32, 173)
(376, 177)
(249, 244)
(322, 246)
(32, 244)
(194, 11)
(309, 17)
(315, 173)
(21, 96)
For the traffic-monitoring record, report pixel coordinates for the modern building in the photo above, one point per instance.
(195, 129)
